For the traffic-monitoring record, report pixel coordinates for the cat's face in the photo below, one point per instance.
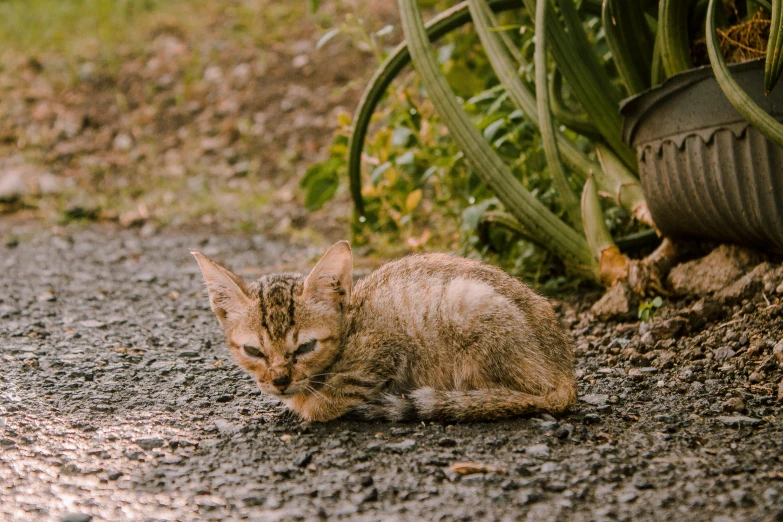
(284, 329)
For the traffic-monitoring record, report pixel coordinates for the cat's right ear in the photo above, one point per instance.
(227, 291)
(331, 279)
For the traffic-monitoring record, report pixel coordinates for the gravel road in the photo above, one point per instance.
(118, 401)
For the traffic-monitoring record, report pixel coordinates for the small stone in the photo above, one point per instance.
(527, 496)
(366, 480)
(734, 404)
(402, 447)
(555, 487)
(538, 450)
(724, 353)
(564, 431)
(627, 496)
(370, 496)
(740, 498)
(780, 391)
(146, 278)
(302, 461)
(617, 303)
(668, 329)
(755, 377)
(225, 427)
(596, 399)
(149, 443)
(114, 475)
(745, 286)
(76, 517)
(592, 418)
(447, 442)
(224, 398)
(47, 296)
(92, 323)
(779, 289)
(740, 420)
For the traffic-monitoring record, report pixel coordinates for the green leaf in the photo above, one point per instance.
(674, 39)
(327, 36)
(773, 65)
(505, 69)
(320, 183)
(567, 196)
(557, 237)
(442, 24)
(749, 109)
(630, 41)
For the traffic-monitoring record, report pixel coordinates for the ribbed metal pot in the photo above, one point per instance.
(705, 171)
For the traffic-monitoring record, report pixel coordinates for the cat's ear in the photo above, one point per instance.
(227, 291)
(331, 279)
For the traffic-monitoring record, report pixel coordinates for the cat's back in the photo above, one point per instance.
(428, 286)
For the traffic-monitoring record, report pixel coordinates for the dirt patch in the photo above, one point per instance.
(118, 401)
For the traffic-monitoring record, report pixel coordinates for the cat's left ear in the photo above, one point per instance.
(227, 291)
(331, 279)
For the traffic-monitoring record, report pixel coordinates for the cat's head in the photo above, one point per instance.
(284, 329)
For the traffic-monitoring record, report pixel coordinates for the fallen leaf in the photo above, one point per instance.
(471, 468)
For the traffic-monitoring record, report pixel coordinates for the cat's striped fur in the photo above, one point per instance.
(424, 337)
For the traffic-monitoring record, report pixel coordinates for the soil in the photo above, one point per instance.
(118, 401)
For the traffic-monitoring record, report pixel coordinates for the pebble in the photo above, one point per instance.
(149, 443)
(734, 404)
(92, 323)
(402, 447)
(303, 460)
(596, 399)
(626, 497)
(76, 517)
(724, 353)
(527, 496)
(739, 420)
(592, 418)
(447, 442)
(538, 450)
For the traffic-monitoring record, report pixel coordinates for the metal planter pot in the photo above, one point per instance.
(705, 171)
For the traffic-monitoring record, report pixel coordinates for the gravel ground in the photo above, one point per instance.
(118, 401)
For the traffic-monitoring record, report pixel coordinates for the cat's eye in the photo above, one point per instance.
(252, 351)
(305, 347)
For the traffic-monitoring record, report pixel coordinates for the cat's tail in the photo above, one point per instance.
(473, 405)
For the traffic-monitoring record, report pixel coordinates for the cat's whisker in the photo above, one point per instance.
(316, 392)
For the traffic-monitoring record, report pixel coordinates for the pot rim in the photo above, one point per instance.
(635, 108)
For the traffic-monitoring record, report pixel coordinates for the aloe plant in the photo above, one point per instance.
(641, 58)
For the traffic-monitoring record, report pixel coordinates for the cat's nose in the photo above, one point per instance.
(282, 382)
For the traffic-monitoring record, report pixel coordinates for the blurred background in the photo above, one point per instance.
(235, 115)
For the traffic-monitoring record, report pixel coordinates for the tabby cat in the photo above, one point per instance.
(431, 337)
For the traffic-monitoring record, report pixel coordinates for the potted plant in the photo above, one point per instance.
(649, 41)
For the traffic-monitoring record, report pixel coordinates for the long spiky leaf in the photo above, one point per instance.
(773, 65)
(749, 109)
(567, 197)
(558, 237)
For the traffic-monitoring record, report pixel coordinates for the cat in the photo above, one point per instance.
(429, 337)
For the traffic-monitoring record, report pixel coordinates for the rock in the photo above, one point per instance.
(734, 404)
(668, 329)
(123, 142)
(617, 303)
(146, 278)
(780, 391)
(755, 377)
(724, 353)
(527, 496)
(447, 442)
(596, 399)
(302, 461)
(739, 420)
(366, 480)
(402, 447)
(712, 273)
(745, 286)
(225, 427)
(627, 496)
(370, 496)
(76, 517)
(592, 418)
(777, 351)
(149, 443)
(92, 323)
(538, 450)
